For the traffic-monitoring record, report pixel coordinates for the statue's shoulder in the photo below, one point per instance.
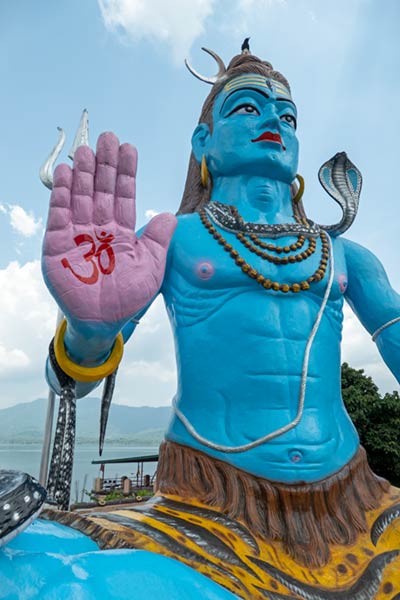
(189, 227)
(366, 274)
(358, 255)
(189, 221)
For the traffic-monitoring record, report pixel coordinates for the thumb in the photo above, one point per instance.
(159, 231)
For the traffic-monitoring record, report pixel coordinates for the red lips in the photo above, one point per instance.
(269, 136)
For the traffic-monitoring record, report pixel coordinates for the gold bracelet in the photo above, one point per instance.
(78, 372)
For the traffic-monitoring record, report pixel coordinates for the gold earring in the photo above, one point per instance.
(300, 191)
(204, 172)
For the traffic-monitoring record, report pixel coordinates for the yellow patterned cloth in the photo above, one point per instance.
(227, 552)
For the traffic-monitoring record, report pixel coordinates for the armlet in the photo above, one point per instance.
(382, 327)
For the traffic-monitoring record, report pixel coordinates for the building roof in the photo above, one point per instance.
(130, 459)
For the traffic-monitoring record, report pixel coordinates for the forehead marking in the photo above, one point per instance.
(280, 88)
(259, 80)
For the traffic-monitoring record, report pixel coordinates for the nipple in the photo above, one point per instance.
(205, 270)
(342, 279)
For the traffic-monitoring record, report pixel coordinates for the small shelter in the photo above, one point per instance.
(139, 481)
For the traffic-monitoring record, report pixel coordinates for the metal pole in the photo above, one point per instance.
(84, 487)
(44, 462)
(48, 428)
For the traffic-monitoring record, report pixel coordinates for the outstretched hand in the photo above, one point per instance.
(95, 266)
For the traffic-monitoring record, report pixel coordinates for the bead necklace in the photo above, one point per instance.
(279, 249)
(286, 260)
(271, 247)
(277, 260)
(258, 277)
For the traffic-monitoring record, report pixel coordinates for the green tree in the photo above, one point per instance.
(377, 420)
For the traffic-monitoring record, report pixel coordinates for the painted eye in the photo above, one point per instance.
(289, 119)
(245, 109)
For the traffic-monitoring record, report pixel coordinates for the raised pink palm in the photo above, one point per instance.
(99, 272)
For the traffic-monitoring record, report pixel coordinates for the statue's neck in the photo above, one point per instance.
(258, 199)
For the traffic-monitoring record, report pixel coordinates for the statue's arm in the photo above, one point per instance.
(374, 301)
(100, 272)
(82, 389)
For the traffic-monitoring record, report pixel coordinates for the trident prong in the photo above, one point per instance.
(46, 170)
(81, 139)
(82, 135)
(211, 80)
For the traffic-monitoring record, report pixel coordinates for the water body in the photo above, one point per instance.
(26, 457)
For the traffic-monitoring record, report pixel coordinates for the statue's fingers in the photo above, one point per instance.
(158, 233)
(106, 174)
(60, 199)
(125, 191)
(82, 185)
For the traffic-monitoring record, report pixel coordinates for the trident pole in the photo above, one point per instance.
(46, 177)
(48, 427)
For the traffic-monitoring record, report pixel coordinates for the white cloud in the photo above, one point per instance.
(21, 221)
(12, 359)
(247, 5)
(360, 352)
(176, 22)
(154, 369)
(147, 373)
(150, 213)
(24, 297)
(26, 327)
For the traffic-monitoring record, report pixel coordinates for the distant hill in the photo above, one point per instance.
(144, 425)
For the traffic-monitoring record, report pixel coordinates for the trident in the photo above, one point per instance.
(46, 177)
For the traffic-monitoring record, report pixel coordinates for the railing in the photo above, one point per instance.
(110, 484)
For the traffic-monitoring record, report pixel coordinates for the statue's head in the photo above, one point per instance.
(247, 127)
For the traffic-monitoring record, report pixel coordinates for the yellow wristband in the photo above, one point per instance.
(87, 374)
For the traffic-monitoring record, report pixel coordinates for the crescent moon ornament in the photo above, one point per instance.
(221, 68)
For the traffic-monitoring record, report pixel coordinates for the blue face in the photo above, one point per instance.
(254, 131)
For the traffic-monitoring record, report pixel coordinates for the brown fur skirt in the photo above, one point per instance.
(307, 519)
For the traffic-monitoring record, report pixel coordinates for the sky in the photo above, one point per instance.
(123, 61)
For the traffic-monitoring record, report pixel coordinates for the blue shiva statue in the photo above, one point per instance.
(263, 490)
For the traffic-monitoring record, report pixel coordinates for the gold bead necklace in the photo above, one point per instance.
(265, 282)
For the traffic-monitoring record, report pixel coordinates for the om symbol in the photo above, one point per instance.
(93, 255)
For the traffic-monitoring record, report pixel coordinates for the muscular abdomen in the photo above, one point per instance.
(240, 372)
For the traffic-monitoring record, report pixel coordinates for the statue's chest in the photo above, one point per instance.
(284, 266)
